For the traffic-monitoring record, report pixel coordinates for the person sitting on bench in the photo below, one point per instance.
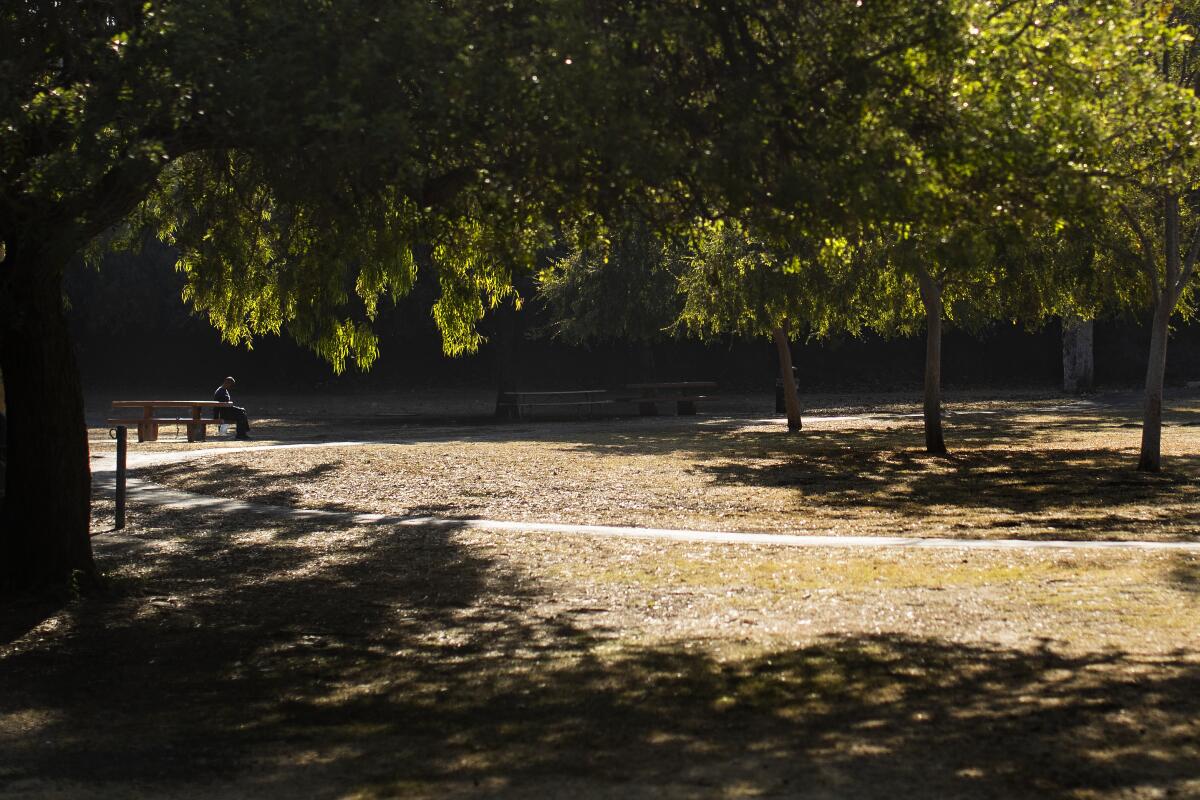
(237, 414)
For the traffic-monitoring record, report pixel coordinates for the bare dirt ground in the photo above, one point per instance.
(246, 655)
(1039, 471)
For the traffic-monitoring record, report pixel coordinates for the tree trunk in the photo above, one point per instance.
(1150, 459)
(931, 298)
(1078, 355)
(46, 515)
(790, 395)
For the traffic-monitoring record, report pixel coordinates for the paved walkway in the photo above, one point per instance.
(144, 492)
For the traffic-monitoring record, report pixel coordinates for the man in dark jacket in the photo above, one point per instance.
(237, 414)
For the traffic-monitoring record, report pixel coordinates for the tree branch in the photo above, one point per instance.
(1148, 265)
(1189, 262)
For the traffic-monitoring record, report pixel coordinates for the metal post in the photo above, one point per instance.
(122, 439)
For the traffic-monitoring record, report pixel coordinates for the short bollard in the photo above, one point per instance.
(122, 439)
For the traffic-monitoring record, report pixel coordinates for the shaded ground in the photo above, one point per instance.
(252, 656)
(247, 655)
(1045, 472)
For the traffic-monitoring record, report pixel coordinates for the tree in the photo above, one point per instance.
(621, 285)
(1151, 235)
(738, 283)
(294, 155)
(1015, 154)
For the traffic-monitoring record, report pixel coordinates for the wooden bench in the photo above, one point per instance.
(684, 394)
(518, 405)
(148, 423)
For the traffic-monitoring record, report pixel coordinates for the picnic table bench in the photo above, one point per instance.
(685, 395)
(516, 405)
(148, 423)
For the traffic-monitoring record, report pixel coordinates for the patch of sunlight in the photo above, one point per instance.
(18, 726)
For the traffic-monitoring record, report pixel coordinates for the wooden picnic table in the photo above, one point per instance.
(685, 395)
(515, 405)
(148, 422)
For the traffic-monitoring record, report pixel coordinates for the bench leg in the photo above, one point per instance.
(152, 432)
(685, 407)
(648, 409)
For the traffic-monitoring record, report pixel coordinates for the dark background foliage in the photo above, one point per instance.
(133, 332)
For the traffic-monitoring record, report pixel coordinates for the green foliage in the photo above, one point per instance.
(1149, 233)
(301, 156)
(297, 155)
(621, 285)
(737, 282)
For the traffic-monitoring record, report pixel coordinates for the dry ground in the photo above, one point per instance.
(246, 655)
(1039, 472)
(249, 656)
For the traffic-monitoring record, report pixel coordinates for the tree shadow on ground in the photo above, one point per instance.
(1185, 573)
(1076, 492)
(223, 477)
(384, 661)
(1003, 477)
(1012, 470)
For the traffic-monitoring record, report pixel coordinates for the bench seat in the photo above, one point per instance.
(168, 421)
(669, 398)
(558, 403)
(513, 405)
(148, 428)
(648, 404)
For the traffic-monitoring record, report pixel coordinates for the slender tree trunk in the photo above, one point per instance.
(931, 298)
(791, 397)
(45, 519)
(1078, 355)
(1150, 459)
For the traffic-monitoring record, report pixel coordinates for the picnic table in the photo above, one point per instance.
(685, 395)
(148, 423)
(517, 405)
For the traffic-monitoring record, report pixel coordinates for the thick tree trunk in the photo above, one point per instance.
(931, 298)
(791, 397)
(1150, 459)
(1078, 355)
(45, 519)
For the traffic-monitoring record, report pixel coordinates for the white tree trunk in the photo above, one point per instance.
(1078, 355)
